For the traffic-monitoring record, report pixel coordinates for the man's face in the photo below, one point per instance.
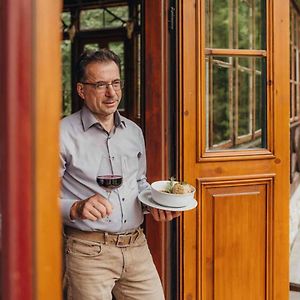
(102, 102)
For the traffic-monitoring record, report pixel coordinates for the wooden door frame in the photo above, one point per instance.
(156, 121)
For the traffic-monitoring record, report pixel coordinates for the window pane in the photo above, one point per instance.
(91, 47)
(217, 24)
(66, 76)
(111, 17)
(236, 101)
(244, 99)
(291, 100)
(258, 98)
(116, 16)
(236, 24)
(66, 20)
(91, 19)
(219, 100)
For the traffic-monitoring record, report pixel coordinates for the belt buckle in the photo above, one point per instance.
(122, 244)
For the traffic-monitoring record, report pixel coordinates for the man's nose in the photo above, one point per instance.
(110, 90)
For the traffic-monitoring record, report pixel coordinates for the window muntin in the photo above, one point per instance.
(235, 89)
(102, 18)
(235, 58)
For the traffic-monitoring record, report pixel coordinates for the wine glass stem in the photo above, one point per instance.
(108, 196)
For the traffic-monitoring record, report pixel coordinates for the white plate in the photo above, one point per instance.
(145, 197)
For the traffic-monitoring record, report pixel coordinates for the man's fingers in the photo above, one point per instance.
(103, 202)
(94, 208)
(176, 214)
(168, 215)
(90, 216)
(164, 215)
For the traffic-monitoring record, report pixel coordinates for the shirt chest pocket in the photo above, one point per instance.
(130, 164)
(131, 168)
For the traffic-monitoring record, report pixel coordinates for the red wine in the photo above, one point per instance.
(110, 182)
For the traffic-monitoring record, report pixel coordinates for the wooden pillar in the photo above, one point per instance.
(47, 113)
(29, 118)
(16, 140)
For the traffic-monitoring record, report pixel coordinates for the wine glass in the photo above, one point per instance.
(109, 182)
(110, 175)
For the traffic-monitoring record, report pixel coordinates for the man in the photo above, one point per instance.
(106, 250)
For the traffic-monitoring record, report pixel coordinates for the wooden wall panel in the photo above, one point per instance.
(236, 226)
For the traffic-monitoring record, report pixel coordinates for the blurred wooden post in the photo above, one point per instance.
(16, 160)
(29, 118)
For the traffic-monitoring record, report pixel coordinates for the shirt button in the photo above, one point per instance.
(123, 199)
(125, 221)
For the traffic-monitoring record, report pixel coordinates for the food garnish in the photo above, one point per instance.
(180, 187)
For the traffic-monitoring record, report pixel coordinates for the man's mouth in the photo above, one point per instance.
(109, 102)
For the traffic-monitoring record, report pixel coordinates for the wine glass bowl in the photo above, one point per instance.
(110, 175)
(109, 182)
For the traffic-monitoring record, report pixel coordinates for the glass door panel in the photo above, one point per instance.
(236, 74)
(235, 102)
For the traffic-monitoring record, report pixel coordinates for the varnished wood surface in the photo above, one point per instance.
(235, 52)
(232, 214)
(220, 237)
(47, 110)
(16, 151)
(156, 120)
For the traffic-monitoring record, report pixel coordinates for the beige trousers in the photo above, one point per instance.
(94, 271)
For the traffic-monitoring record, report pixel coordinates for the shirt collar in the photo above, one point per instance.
(88, 119)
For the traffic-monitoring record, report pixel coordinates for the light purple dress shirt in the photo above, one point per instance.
(84, 148)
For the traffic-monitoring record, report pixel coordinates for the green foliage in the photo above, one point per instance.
(66, 76)
(101, 18)
(90, 19)
(235, 24)
(221, 105)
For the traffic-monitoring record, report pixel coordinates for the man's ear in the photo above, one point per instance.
(80, 91)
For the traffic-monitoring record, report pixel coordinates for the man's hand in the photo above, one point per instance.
(164, 215)
(93, 208)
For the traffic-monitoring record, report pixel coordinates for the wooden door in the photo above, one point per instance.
(235, 244)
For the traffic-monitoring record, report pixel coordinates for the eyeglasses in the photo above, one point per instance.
(102, 85)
